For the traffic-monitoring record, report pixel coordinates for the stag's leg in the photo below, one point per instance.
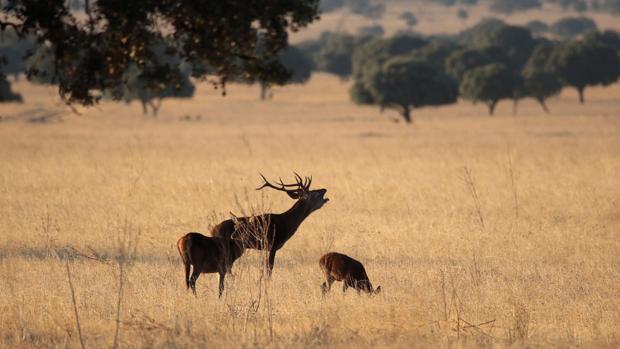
(228, 257)
(222, 275)
(345, 285)
(193, 278)
(272, 259)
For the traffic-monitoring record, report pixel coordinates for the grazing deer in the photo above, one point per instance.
(269, 232)
(208, 255)
(340, 267)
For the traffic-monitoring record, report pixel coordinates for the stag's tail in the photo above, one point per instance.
(184, 245)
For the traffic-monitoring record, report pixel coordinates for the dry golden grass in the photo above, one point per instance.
(544, 265)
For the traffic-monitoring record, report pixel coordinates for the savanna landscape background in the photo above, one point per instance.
(482, 231)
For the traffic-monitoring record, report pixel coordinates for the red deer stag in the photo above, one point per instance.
(208, 255)
(340, 267)
(276, 228)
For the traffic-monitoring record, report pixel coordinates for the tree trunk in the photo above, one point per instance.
(144, 110)
(515, 101)
(263, 91)
(406, 113)
(541, 101)
(581, 98)
(492, 107)
(340, 22)
(155, 106)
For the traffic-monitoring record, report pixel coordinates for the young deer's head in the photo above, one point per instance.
(366, 286)
(300, 191)
(237, 248)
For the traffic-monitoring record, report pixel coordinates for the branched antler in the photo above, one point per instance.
(300, 187)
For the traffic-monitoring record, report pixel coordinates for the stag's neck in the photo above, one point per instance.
(294, 216)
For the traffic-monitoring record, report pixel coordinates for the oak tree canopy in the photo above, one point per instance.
(93, 47)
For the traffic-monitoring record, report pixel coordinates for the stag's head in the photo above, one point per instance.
(300, 191)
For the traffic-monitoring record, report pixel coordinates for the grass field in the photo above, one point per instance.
(534, 253)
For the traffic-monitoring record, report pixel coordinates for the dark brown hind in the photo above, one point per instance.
(339, 267)
(208, 255)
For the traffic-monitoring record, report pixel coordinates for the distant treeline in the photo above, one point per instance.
(486, 63)
(370, 8)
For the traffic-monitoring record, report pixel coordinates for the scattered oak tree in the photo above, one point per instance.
(404, 83)
(152, 82)
(507, 7)
(516, 44)
(335, 53)
(367, 8)
(145, 86)
(298, 64)
(410, 19)
(577, 5)
(571, 27)
(472, 35)
(327, 6)
(612, 6)
(510, 46)
(6, 94)
(488, 84)
(377, 51)
(541, 86)
(14, 49)
(40, 66)
(538, 83)
(462, 14)
(162, 75)
(580, 64)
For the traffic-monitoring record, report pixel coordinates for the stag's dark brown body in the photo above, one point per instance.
(207, 255)
(278, 227)
(340, 267)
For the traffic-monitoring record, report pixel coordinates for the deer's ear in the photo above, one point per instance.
(294, 195)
